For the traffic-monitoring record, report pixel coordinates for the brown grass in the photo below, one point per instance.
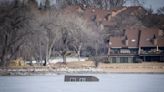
(152, 67)
(84, 64)
(135, 67)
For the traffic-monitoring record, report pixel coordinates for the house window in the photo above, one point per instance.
(72, 79)
(123, 59)
(113, 59)
(82, 79)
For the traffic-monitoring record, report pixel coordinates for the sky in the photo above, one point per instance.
(154, 4)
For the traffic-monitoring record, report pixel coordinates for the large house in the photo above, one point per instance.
(137, 45)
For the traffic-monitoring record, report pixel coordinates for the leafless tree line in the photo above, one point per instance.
(35, 35)
(14, 28)
(105, 4)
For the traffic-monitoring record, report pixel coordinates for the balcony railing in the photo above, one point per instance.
(123, 53)
(142, 52)
(152, 52)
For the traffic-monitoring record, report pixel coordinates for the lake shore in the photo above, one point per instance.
(85, 68)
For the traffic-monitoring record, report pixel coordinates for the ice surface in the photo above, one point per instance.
(107, 83)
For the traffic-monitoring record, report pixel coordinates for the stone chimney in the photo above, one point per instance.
(138, 43)
(126, 40)
(154, 40)
(114, 13)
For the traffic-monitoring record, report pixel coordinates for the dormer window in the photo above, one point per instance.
(133, 40)
(93, 10)
(108, 17)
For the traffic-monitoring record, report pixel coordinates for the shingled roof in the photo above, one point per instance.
(101, 15)
(135, 40)
(132, 37)
(146, 39)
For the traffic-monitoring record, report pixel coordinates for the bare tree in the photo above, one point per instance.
(63, 33)
(13, 30)
(106, 4)
(74, 34)
(46, 26)
(160, 10)
(116, 3)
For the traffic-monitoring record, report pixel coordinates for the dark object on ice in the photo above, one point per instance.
(71, 78)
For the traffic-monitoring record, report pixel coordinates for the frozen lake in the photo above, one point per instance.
(107, 83)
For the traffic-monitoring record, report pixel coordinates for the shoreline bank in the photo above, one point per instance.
(85, 68)
(25, 72)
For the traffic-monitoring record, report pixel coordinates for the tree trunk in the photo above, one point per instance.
(3, 61)
(45, 63)
(48, 54)
(47, 57)
(109, 53)
(47, 60)
(3, 58)
(96, 49)
(40, 54)
(78, 53)
(64, 58)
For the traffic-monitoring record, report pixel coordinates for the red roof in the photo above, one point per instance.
(132, 37)
(146, 38)
(90, 12)
(132, 33)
